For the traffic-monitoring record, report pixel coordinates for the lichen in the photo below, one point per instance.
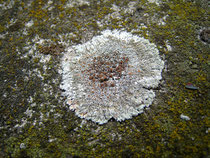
(111, 76)
(30, 80)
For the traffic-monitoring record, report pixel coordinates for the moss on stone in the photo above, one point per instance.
(158, 132)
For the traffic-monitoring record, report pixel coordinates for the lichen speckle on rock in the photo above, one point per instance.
(111, 76)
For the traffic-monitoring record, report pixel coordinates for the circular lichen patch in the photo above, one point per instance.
(111, 76)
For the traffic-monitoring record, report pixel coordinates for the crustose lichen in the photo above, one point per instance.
(111, 76)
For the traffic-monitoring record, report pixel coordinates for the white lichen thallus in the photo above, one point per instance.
(111, 76)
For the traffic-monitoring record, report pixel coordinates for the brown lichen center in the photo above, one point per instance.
(105, 69)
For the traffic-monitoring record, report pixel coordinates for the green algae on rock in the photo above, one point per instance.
(111, 76)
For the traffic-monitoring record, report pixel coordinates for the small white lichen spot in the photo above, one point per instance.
(111, 76)
(157, 2)
(184, 117)
(22, 146)
(73, 3)
(29, 24)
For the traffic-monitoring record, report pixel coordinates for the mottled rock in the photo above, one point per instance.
(205, 35)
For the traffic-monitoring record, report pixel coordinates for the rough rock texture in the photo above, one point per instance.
(34, 118)
(111, 76)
